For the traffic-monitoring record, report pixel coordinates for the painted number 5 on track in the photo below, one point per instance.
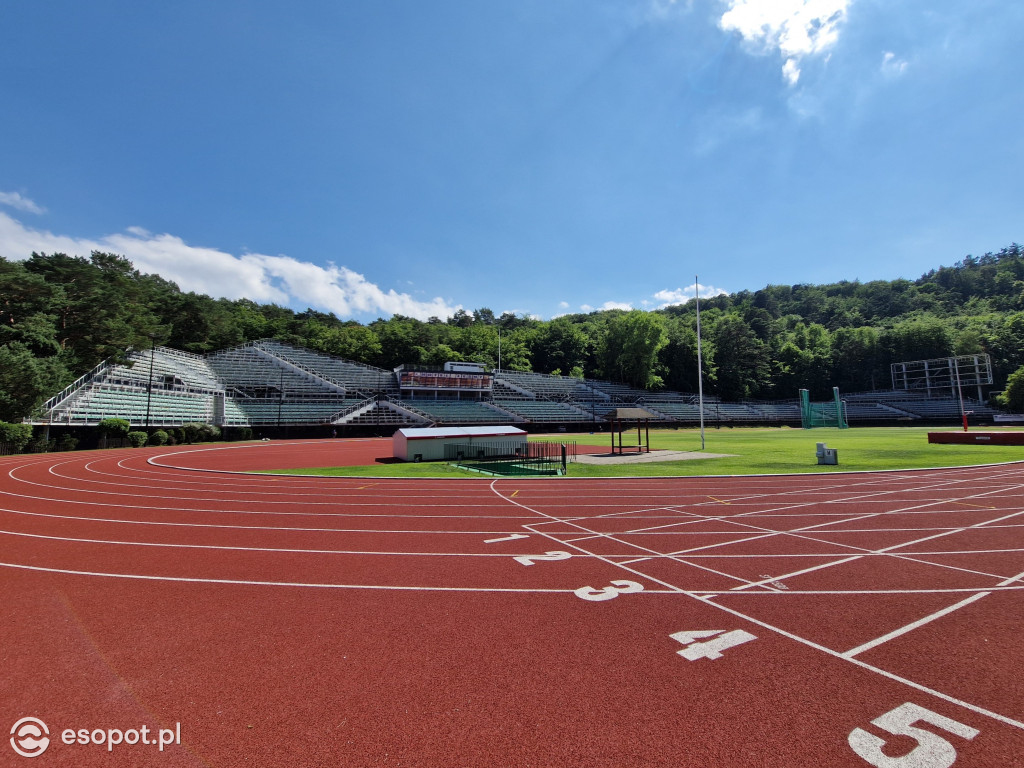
(932, 751)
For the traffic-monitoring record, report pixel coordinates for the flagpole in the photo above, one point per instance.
(700, 365)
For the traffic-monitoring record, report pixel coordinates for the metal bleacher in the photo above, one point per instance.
(269, 382)
(544, 411)
(183, 390)
(458, 411)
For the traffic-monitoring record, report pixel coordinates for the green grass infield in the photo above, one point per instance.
(748, 452)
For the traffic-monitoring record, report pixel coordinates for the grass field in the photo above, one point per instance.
(750, 451)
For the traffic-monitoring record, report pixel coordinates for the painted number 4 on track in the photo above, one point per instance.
(717, 641)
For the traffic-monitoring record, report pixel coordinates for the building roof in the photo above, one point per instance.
(425, 433)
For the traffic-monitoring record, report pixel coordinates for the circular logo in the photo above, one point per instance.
(30, 737)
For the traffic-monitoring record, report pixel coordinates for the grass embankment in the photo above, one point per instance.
(751, 451)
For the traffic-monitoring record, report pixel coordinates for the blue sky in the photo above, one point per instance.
(531, 156)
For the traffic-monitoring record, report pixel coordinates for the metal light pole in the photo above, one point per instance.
(700, 365)
(280, 400)
(960, 393)
(149, 389)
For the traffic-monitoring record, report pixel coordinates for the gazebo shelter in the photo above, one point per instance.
(621, 420)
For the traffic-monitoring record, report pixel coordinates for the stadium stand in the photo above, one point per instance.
(269, 382)
(544, 411)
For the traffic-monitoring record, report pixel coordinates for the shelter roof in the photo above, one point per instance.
(629, 414)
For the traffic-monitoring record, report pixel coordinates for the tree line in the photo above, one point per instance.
(60, 315)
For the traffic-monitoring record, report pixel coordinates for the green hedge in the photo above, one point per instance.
(15, 435)
(159, 438)
(137, 439)
(114, 427)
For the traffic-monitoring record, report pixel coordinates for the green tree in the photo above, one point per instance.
(27, 381)
(559, 344)
(855, 359)
(350, 341)
(679, 357)
(919, 338)
(1013, 395)
(630, 348)
(741, 359)
(15, 435)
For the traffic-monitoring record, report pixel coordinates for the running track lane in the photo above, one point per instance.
(358, 622)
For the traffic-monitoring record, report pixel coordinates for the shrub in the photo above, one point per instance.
(16, 435)
(208, 432)
(137, 439)
(159, 438)
(67, 442)
(40, 445)
(245, 433)
(114, 428)
(191, 431)
(178, 434)
(197, 432)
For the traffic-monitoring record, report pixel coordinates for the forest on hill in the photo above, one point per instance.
(60, 315)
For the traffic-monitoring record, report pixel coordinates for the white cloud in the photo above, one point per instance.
(280, 279)
(16, 201)
(606, 306)
(795, 28)
(891, 66)
(683, 295)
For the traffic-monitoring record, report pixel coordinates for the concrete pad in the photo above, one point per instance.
(640, 458)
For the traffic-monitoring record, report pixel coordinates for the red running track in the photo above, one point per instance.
(839, 620)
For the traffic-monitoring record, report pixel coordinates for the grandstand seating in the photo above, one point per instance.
(542, 385)
(291, 411)
(346, 374)
(618, 392)
(170, 369)
(544, 411)
(132, 404)
(250, 371)
(269, 382)
(385, 413)
(679, 412)
(458, 411)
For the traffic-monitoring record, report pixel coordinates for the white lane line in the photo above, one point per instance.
(286, 550)
(708, 600)
(871, 668)
(258, 496)
(890, 550)
(913, 625)
(282, 513)
(247, 583)
(275, 528)
(652, 554)
(766, 584)
(927, 619)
